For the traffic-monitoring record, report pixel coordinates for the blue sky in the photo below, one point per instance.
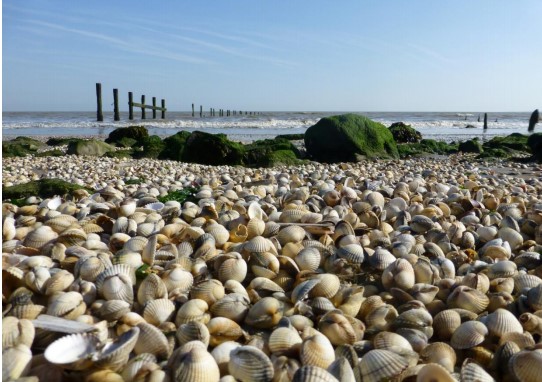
(348, 55)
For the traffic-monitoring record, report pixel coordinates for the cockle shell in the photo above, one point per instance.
(501, 321)
(265, 313)
(16, 362)
(467, 298)
(309, 373)
(222, 329)
(378, 365)
(69, 305)
(151, 288)
(151, 340)
(234, 306)
(193, 331)
(468, 335)
(231, 266)
(39, 237)
(317, 350)
(192, 310)
(158, 311)
(192, 362)
(15, 332)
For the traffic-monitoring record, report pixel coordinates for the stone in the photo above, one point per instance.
(90, 147)
(137, 133)
(535, 145)
(152, 147)
(403, 133)
(20, 147)
(471, 146)
(271, 152)
(212, 149)
(44, 188)
(174, 146)
(349, 138)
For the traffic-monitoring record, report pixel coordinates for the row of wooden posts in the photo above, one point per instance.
(153, 107)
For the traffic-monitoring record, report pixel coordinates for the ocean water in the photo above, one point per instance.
(433, 125)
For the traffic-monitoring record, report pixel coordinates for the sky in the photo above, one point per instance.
(348, 55)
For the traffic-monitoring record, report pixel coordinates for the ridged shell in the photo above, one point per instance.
(15, 332)
(39, 237)
(308, 259)
(234, 306)
(353, 253)
(327, 287)
(440, 353)
(158, 311)
(177, 278)
(526, 366)
(258, 244)
(151, 340)
(265, 313)
(255, 227)
(192, 362)
(231, 266)
(221, 354)
(317, 350)
(113, 310)
(472, 372)
(446, 323)
(378, 365)
(309, 373)
(284, 341)
(433, 372)
(58, 282)
(248, 363)
(193, 331)
(291, 234)
(223, 329)
(69, 305)
(467, 298)
(209, 291)
(399, 274)
(151, 288)
(468, 335)
(192, 310)
(337, 328)
(502, 321)
(72, 352)
(116, 283)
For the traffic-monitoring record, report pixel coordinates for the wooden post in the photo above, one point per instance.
(130, 105)
(535, 118)
(100, 115)
(192, 110)
(200, 111)
(153, 107)
(485, 121)
(116, 115)
(163, 108)
(143, 107)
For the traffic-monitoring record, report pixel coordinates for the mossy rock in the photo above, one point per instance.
(91, 147)
(514, 141)
(152, 147)
(137, 133)
(121, 154)
(292, 137)
(174, 146)
(212, 149)
(426, 147)
(494, 153)
(126, 142)
(271, 152)
(348, 138)
(51, 153)
(62, 141)
(403, 133)
(535, 145)
(20, 147)
(44, 188)
(471, 146)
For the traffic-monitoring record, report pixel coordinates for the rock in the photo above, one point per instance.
(514, 141)
(426, 147)
(470, 127)
(271, 152)
(44, 188)
(291, 137)
(349, 138)
(174, 146)
(90, 147)
(61, 141)
(535, 117)
(403, 133)
(535, 144)
(471, 146)
(152, 147)
(20, 147)
(212, 149)
(137, 133)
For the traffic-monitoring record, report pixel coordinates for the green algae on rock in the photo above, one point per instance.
(271, 152)
(90, 147)
(403, 133)
(20, 147)
(349, 138)
(212, 149)
(135, 133)
(471, 146)
(44, 188)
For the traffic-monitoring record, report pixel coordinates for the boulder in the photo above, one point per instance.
(471, 146)
(91, 147)
(535, 144)
(173, 146)
(136, 133)
(271, 152)
(152, 147)
(426, 147)
(44, 188)
(349, 138)
(514, 141)
(403, 133)
(212, 149)
(20, 147)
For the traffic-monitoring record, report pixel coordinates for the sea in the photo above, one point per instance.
(445, 126)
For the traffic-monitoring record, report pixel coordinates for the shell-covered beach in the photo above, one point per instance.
(417, 269)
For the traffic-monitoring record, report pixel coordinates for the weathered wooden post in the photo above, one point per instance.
(99, 113)
(535, 118)
(143, 107)
(153, 107)
(200, 111)
(116, 115)
(130, 105)
(485, 121)
(192, 110)
(163, 108)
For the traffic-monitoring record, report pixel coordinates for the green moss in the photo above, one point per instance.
(119, 154)
(126, 142)
(174, 146)
(292, 137)
(349, 137)
(212, 149)
(62, 141)
(425, 147)
(403, 133)
(494, 153)
(134, 181)
(136, 133)
(513, 141)
(152, 147)
(90, 147)
(471, 146)
(44, 188)
(51, 153)
(20, 147)
(270, 152)
(181, 196)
